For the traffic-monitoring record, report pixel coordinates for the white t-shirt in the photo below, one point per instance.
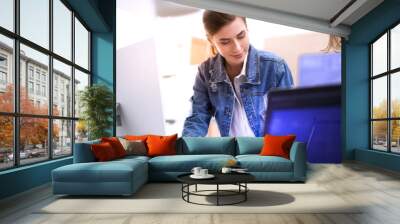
(240, 124)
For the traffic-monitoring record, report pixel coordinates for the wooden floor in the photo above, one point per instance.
(377, 188)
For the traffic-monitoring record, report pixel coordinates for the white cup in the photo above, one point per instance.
(203, 172)
(196, 170)
(226, 170)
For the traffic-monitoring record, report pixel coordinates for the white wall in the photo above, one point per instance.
(138, 90)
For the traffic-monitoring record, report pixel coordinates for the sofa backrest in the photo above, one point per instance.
(206, 145)
(249, 145)
(190, 146)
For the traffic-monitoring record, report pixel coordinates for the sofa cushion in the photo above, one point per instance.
(134, 147)
(161, 145)
(277, 145)
(111, 171)
(103, 152)
(116, 145)
(257, 163)
(185, 163)
(132, 158)
(249, 145)
(207, 145)
(136, 137)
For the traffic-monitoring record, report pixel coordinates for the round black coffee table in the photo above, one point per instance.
(238, 179)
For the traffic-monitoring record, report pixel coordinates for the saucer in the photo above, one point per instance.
(208, 176)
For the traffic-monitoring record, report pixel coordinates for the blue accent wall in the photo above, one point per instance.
(103, 63)
(104, 51)
(24, 178)
(99, 16)
(356, 85)
(102, 58)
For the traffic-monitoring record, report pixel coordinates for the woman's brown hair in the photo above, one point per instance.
(214, 21)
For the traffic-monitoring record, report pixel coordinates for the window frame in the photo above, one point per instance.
(15, 71)
(388, 74)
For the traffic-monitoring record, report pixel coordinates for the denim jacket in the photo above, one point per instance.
(213, 94)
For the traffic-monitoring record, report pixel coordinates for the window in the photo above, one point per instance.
(7, 14)
(81, 81)
(3, 78)
(33, 149)
(385, 94)
(43, 90)
(37, 74)
(3, 72)
(7, 142)
(3, 61)
(30, 72)
(54, 126)
(62, 74)
(81, 45)
(6, 71)
(62, 130)
(38, 89)
(62, 29)
(34, 21)
(30, 87)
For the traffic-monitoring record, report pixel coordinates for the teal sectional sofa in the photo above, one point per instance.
(125, 176)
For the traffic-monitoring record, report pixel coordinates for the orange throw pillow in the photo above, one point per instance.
(116, 145)
(136, 137)
(277, 145)
(161, 145)
(103, 152)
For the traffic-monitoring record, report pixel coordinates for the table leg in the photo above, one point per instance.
(188, 190)
(245, 193)
(182, 188)
(217, 194)
(196, 188)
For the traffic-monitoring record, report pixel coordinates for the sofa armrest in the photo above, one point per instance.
(298, 155)
(83, 152)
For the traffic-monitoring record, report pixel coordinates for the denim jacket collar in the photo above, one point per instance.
(218, 73)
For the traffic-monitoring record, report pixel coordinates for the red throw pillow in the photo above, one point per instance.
(103, 151)
(277, 145)
(161, 145)
(116, 145)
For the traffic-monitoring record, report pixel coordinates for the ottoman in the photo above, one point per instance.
(118, 177)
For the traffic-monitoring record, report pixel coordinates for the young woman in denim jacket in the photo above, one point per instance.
(233, 85)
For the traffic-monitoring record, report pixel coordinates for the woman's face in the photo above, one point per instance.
(232, 41)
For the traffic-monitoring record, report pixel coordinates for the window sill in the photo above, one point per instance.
(26, 167)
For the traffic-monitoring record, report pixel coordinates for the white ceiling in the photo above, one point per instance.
(314, 15)
(321, 9)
